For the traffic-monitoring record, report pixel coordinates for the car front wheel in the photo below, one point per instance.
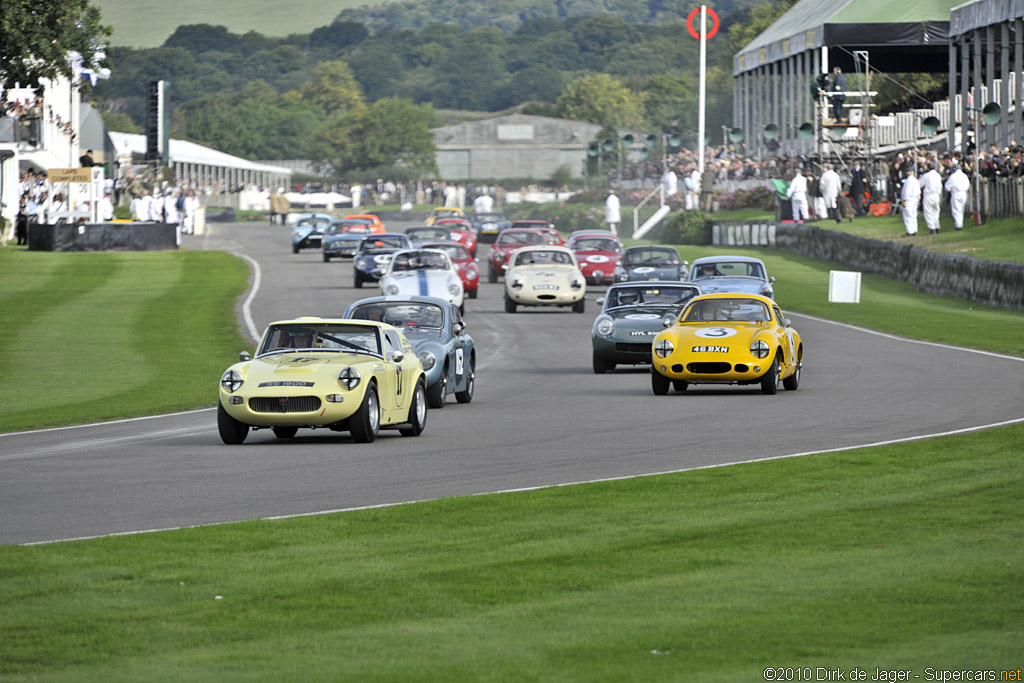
(285, 432)
(466, 395)
(510, 306)
(601, 365)
(579, 306)
(417, 412)
(231, 430)
(436, 393)
(365, 423)
(659, 382)
(770, 380)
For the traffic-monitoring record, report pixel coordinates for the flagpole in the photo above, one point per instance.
(703, 85)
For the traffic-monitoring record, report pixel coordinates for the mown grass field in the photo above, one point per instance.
(148, 23)
(899, 557)
(902, 557)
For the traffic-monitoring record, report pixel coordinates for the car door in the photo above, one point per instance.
(786, 340)
(394, 380)
(459, 351)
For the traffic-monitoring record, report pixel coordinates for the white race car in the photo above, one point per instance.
(423, 272)
(544, 275)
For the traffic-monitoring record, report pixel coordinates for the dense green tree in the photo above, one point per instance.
(36, 37)
(255, 123)
(473, 70)
(338, 36)
(202, 37)
(391, 133)
(600, 99)
(671, 102)
(334, 90)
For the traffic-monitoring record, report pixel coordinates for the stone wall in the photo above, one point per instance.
(994, 283)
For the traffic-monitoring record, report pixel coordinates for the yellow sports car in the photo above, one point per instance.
(728, 338)
(346, 375)
(444, 212)
(544, 275)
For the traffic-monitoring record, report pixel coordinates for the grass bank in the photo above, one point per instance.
(903, 557)
(101, 336)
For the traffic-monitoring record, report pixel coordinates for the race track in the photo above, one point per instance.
(540, 417)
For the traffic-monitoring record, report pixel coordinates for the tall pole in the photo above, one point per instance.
(703, 85)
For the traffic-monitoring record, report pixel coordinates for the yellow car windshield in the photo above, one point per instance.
(727, 310)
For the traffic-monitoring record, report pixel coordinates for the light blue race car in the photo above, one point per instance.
(742, 274)
(436, 330)
(308, 231)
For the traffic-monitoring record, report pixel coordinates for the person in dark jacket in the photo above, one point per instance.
(858, 187)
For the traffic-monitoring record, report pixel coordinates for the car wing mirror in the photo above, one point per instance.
(785, 322)
(600, 301)
(666, 323)
(397, 356)
(244, 355)
(457, 328)
(504, 266)
(771, 280)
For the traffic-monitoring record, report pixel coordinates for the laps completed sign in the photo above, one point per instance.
(696, 32)
(69, 175)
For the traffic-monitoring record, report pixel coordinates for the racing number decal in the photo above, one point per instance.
(459, 363)
(715, 332)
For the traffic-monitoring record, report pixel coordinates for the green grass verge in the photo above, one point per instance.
(903, 557)
(101, 336)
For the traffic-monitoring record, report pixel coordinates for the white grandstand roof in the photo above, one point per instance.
(183, 151)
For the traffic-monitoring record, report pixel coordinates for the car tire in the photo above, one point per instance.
(579, 306)
(365, 423)
(358, 282)
(792, 383)
(466, 395)
(285, 432)
(232, 432)
(510, 306)
(659, 383)
(327, 258)
(472, 293)
(770, 380)
(492, 275)
(601, 365)
(438, 390)
(295, 249)
(680, 385)
(462, 308)
(417, 412)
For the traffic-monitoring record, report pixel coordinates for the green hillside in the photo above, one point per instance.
(147, 23)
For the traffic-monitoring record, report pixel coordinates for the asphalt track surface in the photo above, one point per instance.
(540, 417)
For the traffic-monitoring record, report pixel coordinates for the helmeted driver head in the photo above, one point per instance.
(375, 313)
(707, 270)
(628, 296)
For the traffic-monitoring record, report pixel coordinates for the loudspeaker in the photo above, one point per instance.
(771, 131)
(735, 134)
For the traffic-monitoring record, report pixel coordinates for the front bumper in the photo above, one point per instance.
(712, 367)
(563, 296)
(290, 406)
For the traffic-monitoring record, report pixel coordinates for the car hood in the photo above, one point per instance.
(301, 366)
(344, 237)
(542, 273)
(652, 271)
(421, 281)
(736, 336)
(637, 325)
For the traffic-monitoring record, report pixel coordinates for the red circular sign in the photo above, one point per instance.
(694, 32)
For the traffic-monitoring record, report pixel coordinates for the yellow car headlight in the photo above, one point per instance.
(663, 348)
(759, 349)
(349, 378)
(231, 381)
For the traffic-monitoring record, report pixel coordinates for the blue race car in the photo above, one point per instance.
(436, 331)
(342, 237)
(742, 274)
(373, 253)
(650, 262)
(489, 224)
(308, 231)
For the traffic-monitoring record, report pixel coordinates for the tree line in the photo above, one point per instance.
(328, 95)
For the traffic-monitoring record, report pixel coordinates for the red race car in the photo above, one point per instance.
(462, 231)
(463, 261)
(598, 252)
(554, 237)
(508, 241)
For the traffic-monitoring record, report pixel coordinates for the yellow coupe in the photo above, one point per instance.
(345, 375)
(444, 212)
(728, 338)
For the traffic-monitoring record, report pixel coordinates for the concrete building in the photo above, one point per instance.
(513, 146)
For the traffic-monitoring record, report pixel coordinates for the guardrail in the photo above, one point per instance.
(993, 283)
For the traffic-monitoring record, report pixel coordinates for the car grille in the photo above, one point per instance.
(709, 368)
(284, 404)
(633, 348)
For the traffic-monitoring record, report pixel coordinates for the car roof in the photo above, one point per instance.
(415, 298)
(715, 259)
(734, 295)
(545, 247)
(654, 283)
